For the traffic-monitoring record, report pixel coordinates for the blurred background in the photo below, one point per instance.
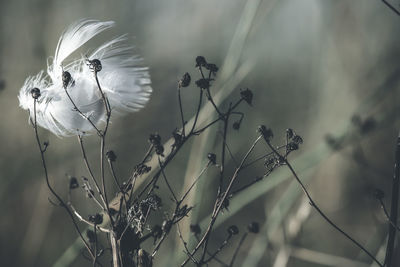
(328, 69)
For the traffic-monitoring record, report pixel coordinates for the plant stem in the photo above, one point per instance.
(394, 207)
(315, 206)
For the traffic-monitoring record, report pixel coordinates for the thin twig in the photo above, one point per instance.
(391, 7)
(185, 245)
(80, 217)
(220, 203)
(195, 181)
(394, 206)
(237, 249)
(315, 206)
(387, 215)
(223, 244)
(85, 159)
(95, 246)
(62, 203)
(113, 174)
(81, 113)
(197, 112)
(206, 126)
(181, 111)
(166, 180)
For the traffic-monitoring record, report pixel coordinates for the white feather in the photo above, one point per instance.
(126, 85)
(74, 37)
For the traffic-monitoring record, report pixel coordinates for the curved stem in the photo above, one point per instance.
(81, 113)
(315, 206)
(62, 203)
(220, 203)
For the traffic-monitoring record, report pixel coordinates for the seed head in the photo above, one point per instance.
(96, 219)
(247, 95)
(265, 132)
(253, 227)
(195, 229)
(35, 92)
(212, 158)
(236, 125)
(185, 81)
(203, 83)
(66, 78)
(200, 61)
(155, 139)
(73, 183)
(233, 230)
(111, 155)
(95, 65)
(212, 68)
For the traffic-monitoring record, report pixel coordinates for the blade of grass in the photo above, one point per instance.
(274, 220)
(381, 252)
(70, 254)
(229, 77)
(324, 259)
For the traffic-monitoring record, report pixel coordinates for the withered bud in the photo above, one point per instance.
(233, 230)
(66, 78)
(89, 193)
(96, 219)
(203, 83)
(195, 229)
(247, 95)
(289, 133)
(177, 137)
(185, 81)
(95, 65)
(225, 204)
(155, 139)
(292, 146)
(159, 150)
(73, 183)
(236, 125)
(253, 227)
(265, 132)
(200, 61)
(297, 139)
(111, 155)
(211, 67)
(35, 92)
(212, 158)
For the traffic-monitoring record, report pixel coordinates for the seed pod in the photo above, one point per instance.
(35, 92)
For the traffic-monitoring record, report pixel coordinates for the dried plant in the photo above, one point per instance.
(80, 98)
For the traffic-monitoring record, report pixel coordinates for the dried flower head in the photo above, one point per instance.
(195, 229)
(233, 230)
(111, 156)
(126, 85)
(253, 227)
(35, 92)
(185, 81)
(73, 183)
(247, 95)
